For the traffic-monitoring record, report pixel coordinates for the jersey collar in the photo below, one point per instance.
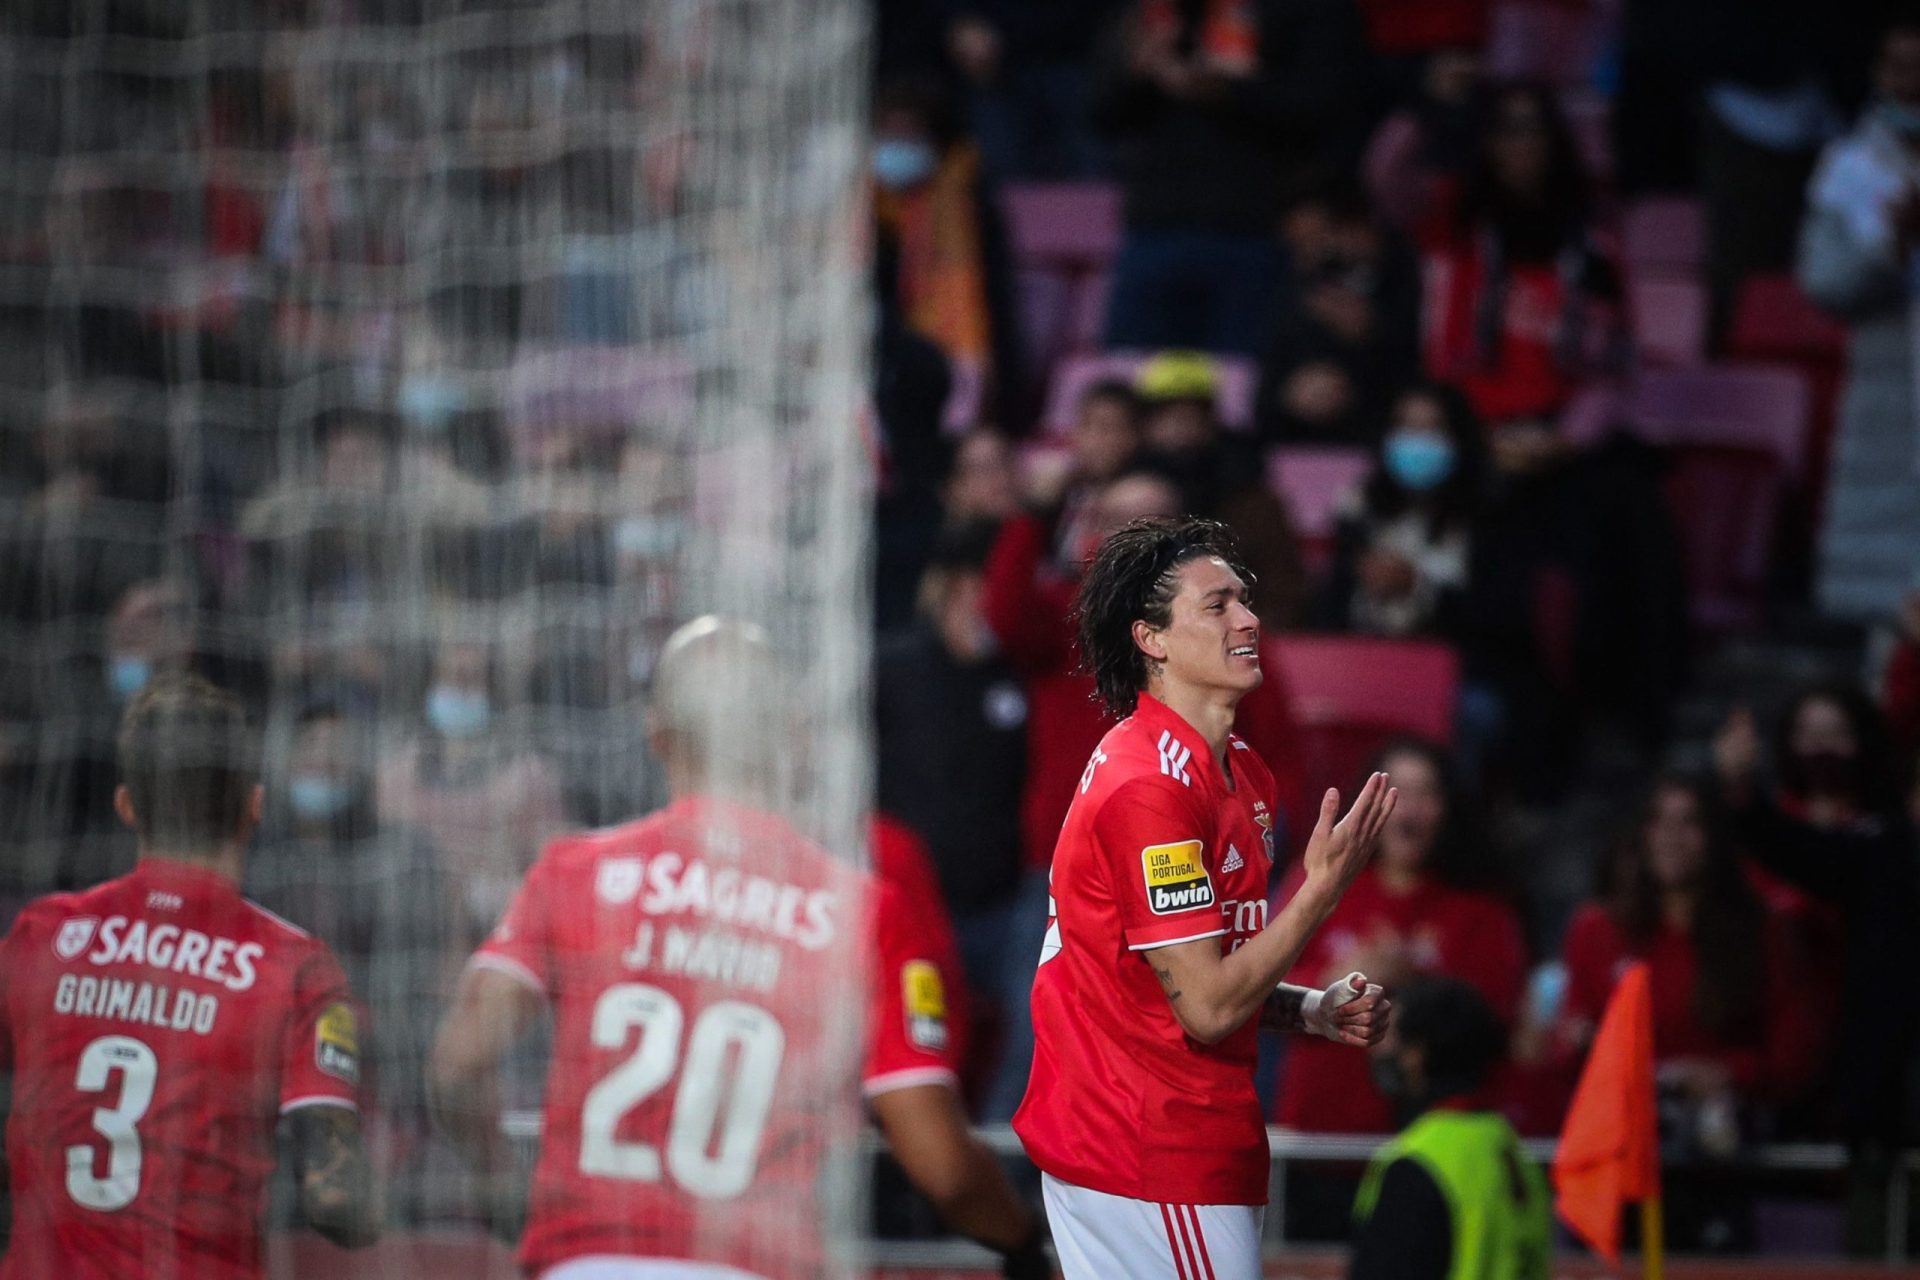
(1155, 715)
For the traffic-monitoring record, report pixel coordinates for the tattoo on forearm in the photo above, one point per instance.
(336, 1184)
(1285, 1010)
(1166, 981)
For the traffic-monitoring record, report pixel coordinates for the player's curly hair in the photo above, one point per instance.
(1131, 578)
(188, 758)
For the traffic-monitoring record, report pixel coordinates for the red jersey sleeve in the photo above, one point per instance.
(520, 946)
(320, 1057)
(1152, 843)
(909, 1026)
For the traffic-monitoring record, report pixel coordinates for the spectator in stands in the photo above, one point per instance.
(1422, 909)
(1221, 474)
(325, 531)
(1413, 37)
(486, 805)
(1028, 71)
(325, 863)
(1837, 829)
(1856, 251)
(1524, 300)
(1418, 159)
(912, 382)
(1731, 1030)
(951, 269)
(1103, 443)
(1215, 105)
(983, 485)
(951, 729)
(1404, 542)
(1348, 326)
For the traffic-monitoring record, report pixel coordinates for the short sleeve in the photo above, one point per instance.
(909, 1026)
(321, 1053)
(520, 946)
(1153, 842)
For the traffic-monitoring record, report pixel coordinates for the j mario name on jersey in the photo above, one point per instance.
(668, 884)
(118, 940)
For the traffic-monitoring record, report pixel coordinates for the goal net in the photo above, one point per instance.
(414, 367)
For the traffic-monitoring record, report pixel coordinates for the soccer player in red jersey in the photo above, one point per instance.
(1159, 960)
(695, 1063)
(158, 1027)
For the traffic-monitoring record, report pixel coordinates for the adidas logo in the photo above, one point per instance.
(1234, 861)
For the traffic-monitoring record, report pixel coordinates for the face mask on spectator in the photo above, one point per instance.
(457, 713)
(428, 401)
(1901, 117)
(643, 537)
(128, 674)
(1417, 460)
(899, 163)
(315, 796)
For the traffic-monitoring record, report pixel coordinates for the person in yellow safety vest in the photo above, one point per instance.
(1454, 1196)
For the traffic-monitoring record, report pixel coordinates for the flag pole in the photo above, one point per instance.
(1652, 1245)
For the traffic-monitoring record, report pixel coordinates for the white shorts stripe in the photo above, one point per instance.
(1107, 1237)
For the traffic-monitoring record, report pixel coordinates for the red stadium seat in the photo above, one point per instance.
(1352, 694)
(1664, 235)
(1727, 500)
(1761, 407)
(1070, 225)
(1668, 316)
(1774, 320)
(1312, 482)
(1238, 381)
(1533, 40)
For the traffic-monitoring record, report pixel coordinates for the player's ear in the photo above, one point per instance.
(1148, 640)
(123, 807)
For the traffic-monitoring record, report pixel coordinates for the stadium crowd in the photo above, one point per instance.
(1437, 245)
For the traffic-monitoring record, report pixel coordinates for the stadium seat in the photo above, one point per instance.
(1353, 694)
(1238, 380)
(1535, 40)
(1760, 407)
(1774, 320)
(1727, 500)
(1664, 235)
(1668, 316)
(1063, 225)
(1046, 303)
(1312, 482)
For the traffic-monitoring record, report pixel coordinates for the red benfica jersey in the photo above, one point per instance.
(157, 1027)
(1159, 847)
(699, 1055)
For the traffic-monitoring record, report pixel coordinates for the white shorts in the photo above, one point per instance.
(612, 1267)
(1103, 1237)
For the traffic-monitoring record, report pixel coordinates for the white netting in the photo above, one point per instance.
(416, 363)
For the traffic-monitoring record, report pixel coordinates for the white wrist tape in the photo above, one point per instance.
(1316, 1011)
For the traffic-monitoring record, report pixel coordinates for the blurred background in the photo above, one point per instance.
(1554, 361)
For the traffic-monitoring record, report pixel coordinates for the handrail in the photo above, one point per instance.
(1292, 1146)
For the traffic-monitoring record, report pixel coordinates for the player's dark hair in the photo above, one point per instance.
(1461, 1037)
(188, 761)
(1133, 577)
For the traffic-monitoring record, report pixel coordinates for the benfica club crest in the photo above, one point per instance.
(74, 936)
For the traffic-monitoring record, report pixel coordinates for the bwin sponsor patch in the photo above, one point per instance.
(1177, 879)
(925, 999)
(336, 1044)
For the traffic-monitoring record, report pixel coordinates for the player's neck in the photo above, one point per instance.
(1209, 711)
(228, 863)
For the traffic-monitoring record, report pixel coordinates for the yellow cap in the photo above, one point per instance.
(1178, 375)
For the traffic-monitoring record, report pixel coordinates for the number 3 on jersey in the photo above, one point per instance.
(138, 1069)
(704, 1167)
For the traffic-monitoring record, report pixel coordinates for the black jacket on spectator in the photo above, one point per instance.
(1220, 164)
(1869, 872)
(953, 761)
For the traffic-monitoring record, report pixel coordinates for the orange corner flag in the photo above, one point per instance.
(1609, 1154)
